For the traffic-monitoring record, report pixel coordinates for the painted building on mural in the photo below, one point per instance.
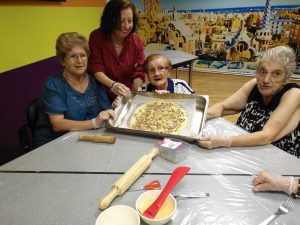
(232, 35)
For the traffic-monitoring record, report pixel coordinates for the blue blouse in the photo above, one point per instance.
(59, 98)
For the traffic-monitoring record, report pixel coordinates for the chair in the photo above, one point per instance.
(26, 132)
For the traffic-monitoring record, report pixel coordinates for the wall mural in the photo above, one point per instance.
(226, 35)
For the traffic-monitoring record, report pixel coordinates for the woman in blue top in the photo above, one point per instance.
(72, 99)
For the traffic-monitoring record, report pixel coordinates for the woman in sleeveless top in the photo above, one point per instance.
(269, 106)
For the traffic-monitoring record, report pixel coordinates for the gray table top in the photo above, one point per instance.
(67, 154)
(175, 56)
(72, 199)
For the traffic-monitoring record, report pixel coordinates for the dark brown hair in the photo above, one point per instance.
(111, 17)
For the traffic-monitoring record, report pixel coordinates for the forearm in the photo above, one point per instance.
(103, 79)
(65, 125)
(251, 139)
(215, 111)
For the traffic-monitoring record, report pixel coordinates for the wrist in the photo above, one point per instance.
(112, 84)
(296, 191)
(95, 123)
(227, 141)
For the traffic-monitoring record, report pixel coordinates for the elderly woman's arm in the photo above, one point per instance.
(233, 104)
(282, 121)
(60, 124)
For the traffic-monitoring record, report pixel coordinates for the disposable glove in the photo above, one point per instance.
(116, 102)
(120, 89)
(214, 142)
(270, 181)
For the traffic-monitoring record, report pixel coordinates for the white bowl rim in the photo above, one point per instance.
(123, 206)
(156, 220)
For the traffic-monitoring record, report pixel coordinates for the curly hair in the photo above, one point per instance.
(280, 54)
(66, 41)
(111, 17)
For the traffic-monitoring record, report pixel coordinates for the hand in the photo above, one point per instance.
(270, 181)
(214, 142)
(120, 89)
(162, 91)
(137, 84)
(105, 115)
(116, 102)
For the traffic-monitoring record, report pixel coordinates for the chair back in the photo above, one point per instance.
(32, 114)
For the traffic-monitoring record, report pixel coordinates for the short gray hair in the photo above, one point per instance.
(281, 54)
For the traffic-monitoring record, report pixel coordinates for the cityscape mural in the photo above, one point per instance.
(226, 35)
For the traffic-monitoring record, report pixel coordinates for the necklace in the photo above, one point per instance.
(69, 78)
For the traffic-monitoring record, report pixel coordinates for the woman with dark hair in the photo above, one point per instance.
(117, 53)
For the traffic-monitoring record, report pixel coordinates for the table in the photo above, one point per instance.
(67, 154)
(72, 199)
(62, 181)
(177, 58)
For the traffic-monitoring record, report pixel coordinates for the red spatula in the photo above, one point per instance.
(176, 176)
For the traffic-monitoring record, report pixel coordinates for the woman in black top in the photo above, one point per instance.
(269, 106)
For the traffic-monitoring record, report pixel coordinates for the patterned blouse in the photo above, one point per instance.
(174, 86)
(255, 115)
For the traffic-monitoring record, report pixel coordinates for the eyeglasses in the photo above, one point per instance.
(76, 57)
(274, 74)
(159, 69)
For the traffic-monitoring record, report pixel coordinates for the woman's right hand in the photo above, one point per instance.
(214, 142)
(120, 89)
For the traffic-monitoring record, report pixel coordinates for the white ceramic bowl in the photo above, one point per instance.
(164, 214)
(118, 214)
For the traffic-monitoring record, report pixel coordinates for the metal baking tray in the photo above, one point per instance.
(194, 105)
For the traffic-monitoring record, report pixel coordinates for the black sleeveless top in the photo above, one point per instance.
(255, 115)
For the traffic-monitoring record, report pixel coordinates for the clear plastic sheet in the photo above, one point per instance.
(231, 201)
(119, 157)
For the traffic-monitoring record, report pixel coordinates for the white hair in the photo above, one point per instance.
(281, 54)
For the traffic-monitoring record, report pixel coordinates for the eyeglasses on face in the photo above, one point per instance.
(75, 57)
(159, 69)
(261, 72)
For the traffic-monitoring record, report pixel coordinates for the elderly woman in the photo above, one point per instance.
(157, 68)
(117, 54)
(72, 99)
(269, 106)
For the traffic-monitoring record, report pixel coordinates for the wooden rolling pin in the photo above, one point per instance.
(98, 138)
(128, 178)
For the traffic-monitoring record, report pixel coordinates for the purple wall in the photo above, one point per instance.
(18, 88)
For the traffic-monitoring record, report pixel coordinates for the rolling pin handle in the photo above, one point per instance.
(105, 202)
(154, 152)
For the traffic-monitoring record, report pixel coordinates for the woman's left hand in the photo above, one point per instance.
(214, 142)
(105, 115)
(120, 89)
(116, 102)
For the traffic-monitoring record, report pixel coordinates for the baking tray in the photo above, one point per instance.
(194, 105)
